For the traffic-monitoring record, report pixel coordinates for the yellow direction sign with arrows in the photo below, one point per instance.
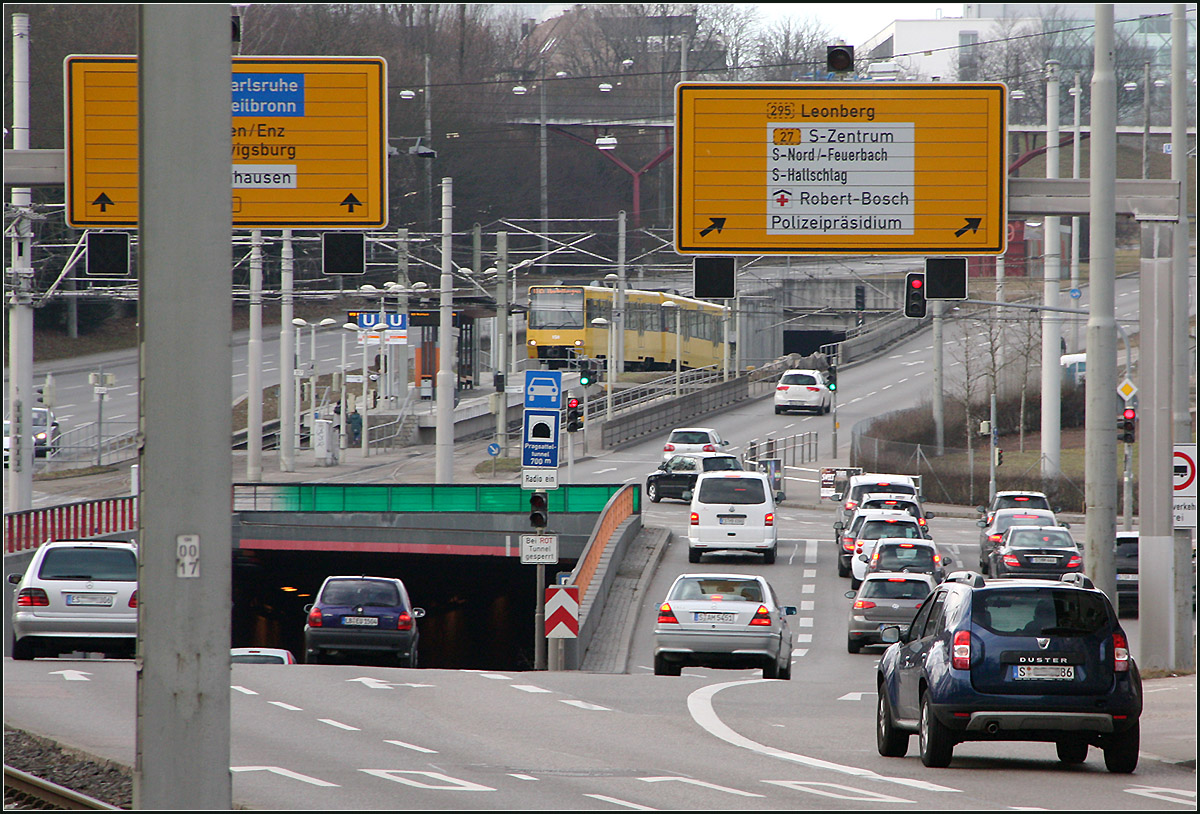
(309, 142)
(840, 168)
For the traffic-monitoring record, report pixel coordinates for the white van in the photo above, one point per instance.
(732, 511)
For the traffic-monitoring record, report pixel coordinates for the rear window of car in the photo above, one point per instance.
(732, 490)
(112, 564)
(1024, 519)
(1021, 502)
(894, 506)
(256, 658)
(874, 529)
(360, 592)
(798, 378)
(722, 465)
(895, 557)
(679, 437)
(895, 588)
(1040, 612)
(744, 589)
(894, 488)
(1043, 538)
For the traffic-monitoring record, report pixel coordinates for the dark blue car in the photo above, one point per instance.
(362, 615)
(1011, 660)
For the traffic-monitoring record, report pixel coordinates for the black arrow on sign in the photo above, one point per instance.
(351, 202)
(717, 223)
(972, 225)
(104, 202)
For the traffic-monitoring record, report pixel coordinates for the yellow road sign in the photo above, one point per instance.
(309, 142)
(840, 168)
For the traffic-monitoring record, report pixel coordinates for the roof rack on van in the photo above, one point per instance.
(1078, 579)
(971, 578)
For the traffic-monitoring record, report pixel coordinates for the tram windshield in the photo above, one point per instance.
(556, 308)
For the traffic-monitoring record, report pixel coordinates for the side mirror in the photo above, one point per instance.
(1058, 510)
(946, 560)
(850, 594)
(930, 515)
(418, 613)
(981, 509)
(724, 443)
(308, 608)
(687, 494)
(779, 497)
(1065, 525)
(863, 558)
(890, 634)
(789, 610)
(14, 579)
(839, 526)
(981, 523)
(663, 466)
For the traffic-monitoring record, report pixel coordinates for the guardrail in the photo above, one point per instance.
(70, 521)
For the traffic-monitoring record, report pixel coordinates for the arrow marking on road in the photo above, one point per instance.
(373, 683)
(72, 675)
(854, 696)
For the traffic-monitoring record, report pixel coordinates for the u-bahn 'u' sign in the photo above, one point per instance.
(840, 168)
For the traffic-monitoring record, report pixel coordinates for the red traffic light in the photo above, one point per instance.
(572, 403)
(1129, 413)
(915, 282)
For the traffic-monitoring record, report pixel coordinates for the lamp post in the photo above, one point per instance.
(671, 305)
(601, 322)
(300, 322)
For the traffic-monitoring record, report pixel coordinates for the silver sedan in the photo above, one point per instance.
(723, 620)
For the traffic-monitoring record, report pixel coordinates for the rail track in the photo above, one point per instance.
(27, 792)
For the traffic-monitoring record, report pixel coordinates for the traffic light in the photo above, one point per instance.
(1128, 425)
(586, 376)
(998, 454)
(539, 510)
(832, 376)
(914, 295)
(574, 415)
(860, 298)
(839, 58)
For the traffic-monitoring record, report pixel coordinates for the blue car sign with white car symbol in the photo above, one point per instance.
(543, 389)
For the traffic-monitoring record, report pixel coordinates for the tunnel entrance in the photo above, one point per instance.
(479, 610)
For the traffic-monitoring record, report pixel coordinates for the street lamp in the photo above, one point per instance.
(300, 322)
(601, 322)
(674, 306)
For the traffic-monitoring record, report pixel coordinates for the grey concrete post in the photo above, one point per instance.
(254, 390)
(444, 443)
(501, 360)
(287, 361)
(1051, 328)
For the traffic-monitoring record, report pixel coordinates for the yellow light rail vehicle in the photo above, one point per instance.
(561, 330)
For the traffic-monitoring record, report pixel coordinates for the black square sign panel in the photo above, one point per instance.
(343, 253)
(712, 278)
(107, 254)
(945, 278)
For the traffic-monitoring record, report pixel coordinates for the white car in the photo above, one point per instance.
(802, 390)
(692, 439)
(732, 511)
(876, 525)
(261, 655)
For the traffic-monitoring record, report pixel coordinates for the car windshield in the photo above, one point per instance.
(895, 588)
(115, 564)
(1021, 502)
(1039, 611)
(689, 437)
(875, 529)
(747, 590)
(722, 464)
(798, 378)
(895, 557)
(360, 592)
(1041, 538)
(732, 490)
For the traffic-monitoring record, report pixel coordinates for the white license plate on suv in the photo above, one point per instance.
(94, 600)
(731, 521)
(360, 621)
(1044, 672)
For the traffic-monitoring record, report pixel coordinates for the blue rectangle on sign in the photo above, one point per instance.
(539, 441)
(543, 389)
(268, 94)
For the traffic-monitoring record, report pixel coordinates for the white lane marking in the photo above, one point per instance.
(339, 724)
(522, 776)
(72, 675)
(1164, 794)
(282, 705)
(606, 799)
(451, 783)
(528, 688)
(373, 683)
(497, 676)
(806, 605)
(412, 746)
(284, 773)
(805, 622)
(810, 573)
(804, 638)
(602, 471)
(702, 712)
(808, 589)
(855, 696)
(837, 790)
(242, 690)
(700, 783)
(585, 705)
(810, 550)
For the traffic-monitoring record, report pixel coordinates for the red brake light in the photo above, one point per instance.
(769, 520)
(133, 600)
(921, 521)
(668, 448)
(848, 543)
(709, 448)
(1120, 653)
(314, 617)
(32, 598)
(863, 604)
(666, 616)
(995, 538)
(906, 545)
(404, 622)
(782, 387)
(762, 616)
(695, 519)
(1075, 562)
(1011, 561)
(961, 657)
(1020, 498)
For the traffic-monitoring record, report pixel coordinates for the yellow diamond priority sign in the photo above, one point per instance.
(309, 142)
(840, 168)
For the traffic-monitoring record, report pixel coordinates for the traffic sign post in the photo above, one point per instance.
(841, 167)
(309, 142)
(539, 438)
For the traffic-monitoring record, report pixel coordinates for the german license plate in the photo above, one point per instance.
(94, 600)
(1044, 672)
(361, 621)
(715, 617)
(1044, 560)
(731, 521)
(1127, 577)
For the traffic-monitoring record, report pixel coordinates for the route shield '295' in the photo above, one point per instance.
(840, 168)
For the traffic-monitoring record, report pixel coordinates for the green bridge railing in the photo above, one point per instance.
(362, 497)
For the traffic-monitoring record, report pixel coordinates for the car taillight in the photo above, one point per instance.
(762, 616)
(848, 543)
(995, 538)
(1075, 562)
(314, 617)
(666, 616)
(814, 390)
(1120, 653)
(769, 520)
(875, 557)
(133, 600)
(782, 387)
(709, 448)
(404, 622)
(1011, 561)
(695, 519)
(668, 448)
(961, 658)
(32, 598)
(850, 504)
(863, 604)
(937, 559)
(921, 521)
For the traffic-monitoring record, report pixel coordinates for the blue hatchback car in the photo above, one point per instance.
(1011, 660)
(362, 615)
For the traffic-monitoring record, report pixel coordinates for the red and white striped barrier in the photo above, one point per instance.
(70, 521)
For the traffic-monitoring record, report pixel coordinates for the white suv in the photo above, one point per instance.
(732, 511)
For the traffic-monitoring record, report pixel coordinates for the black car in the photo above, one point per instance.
(1126, 555)
(678, 474)
(360, 614)
(1008, 659)
(1035, 551)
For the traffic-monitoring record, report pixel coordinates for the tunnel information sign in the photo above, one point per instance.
(840, 167)
(309, 142)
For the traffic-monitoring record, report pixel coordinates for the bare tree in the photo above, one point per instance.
(792, 48)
